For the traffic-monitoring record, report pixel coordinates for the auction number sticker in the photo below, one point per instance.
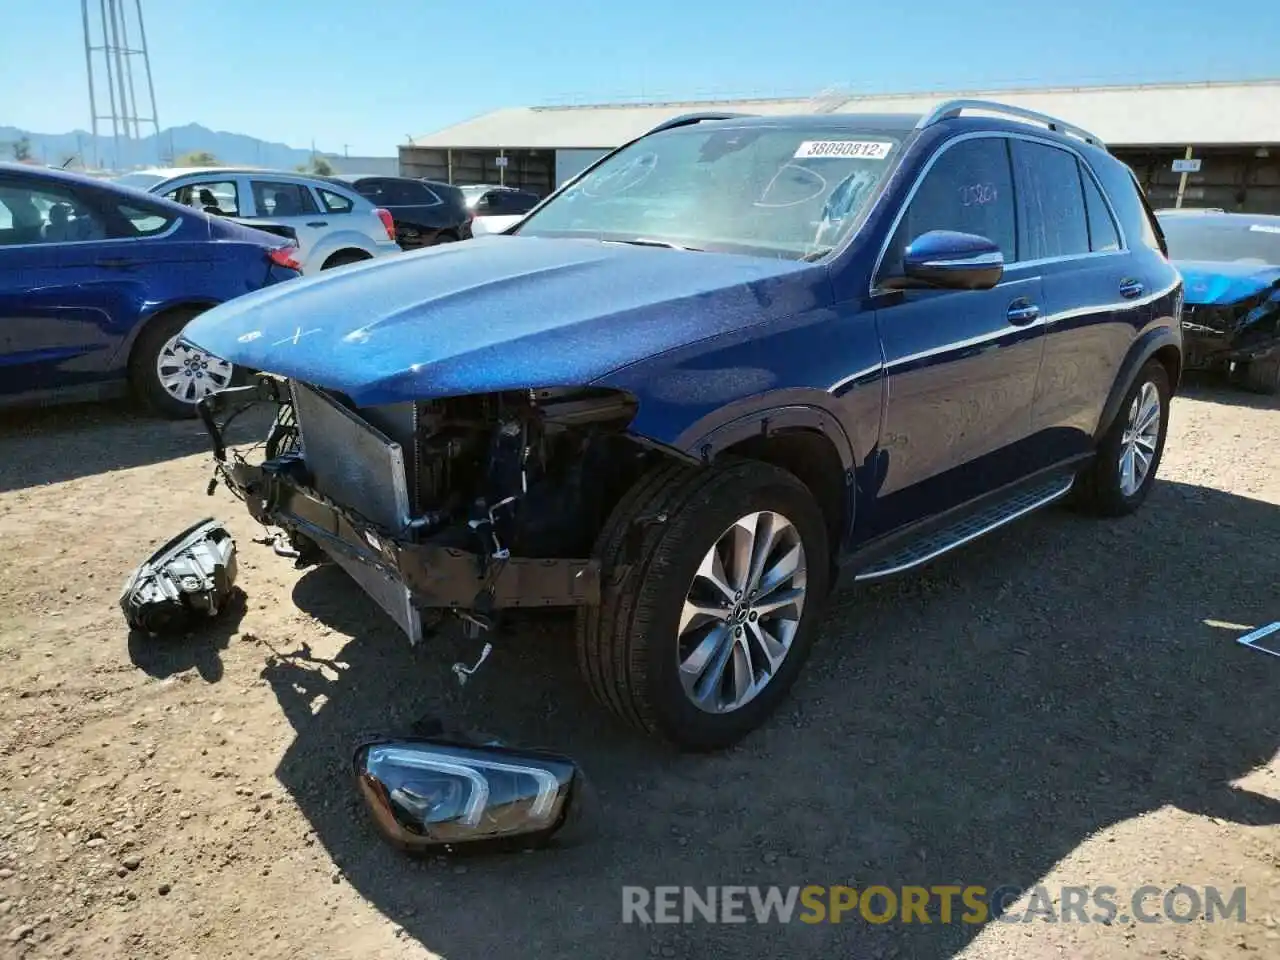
(847, 149)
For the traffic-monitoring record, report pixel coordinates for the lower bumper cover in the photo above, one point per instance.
(436, 576)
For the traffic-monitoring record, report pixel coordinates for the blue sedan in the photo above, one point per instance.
(97, 282)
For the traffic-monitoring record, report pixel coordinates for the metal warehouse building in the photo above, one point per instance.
(1233, 129)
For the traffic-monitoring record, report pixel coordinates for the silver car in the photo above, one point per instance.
(332, 224)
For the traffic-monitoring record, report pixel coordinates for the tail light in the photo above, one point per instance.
(283, 257)
(388, 221)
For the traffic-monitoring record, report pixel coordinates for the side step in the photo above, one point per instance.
(969, 528)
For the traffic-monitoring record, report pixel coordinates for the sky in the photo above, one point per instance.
(362, 77)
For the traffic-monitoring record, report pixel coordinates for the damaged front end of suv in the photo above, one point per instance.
(470, 504)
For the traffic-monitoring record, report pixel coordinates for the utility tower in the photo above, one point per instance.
(114, 40)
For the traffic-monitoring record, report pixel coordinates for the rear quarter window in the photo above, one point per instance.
(335, 202)
(1136, 218)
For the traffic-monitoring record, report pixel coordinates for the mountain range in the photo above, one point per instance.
(89, 152)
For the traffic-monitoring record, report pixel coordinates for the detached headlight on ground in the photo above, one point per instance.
(425, 794)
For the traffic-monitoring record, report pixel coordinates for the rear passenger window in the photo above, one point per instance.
(1051, 201)
(335, 203)
(275, 199)
(969, 189)
(1102, 229)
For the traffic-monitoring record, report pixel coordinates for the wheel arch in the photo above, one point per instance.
(806, 441)
(125, 353)
(1161, 343)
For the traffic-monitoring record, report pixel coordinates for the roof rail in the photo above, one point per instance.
(690, 118)
(953, 108)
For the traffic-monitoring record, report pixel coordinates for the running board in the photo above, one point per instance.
(968, 528)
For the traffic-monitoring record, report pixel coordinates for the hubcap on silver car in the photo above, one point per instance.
(188, 374)
(1138, 443)
(741, 612)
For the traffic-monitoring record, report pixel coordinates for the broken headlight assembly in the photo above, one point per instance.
(430, 794)
(189, 578)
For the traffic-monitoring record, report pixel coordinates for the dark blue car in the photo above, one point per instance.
(736, 360)
(1230, 263)
(97, 281)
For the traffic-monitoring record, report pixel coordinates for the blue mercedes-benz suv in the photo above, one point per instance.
(737, 359)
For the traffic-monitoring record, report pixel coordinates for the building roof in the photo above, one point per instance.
(1201, 114)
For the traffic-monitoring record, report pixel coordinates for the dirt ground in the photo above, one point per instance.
(1062, 703)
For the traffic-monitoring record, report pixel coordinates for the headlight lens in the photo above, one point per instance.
(428, 793)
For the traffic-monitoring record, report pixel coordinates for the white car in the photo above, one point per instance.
(332, 224)
(497, 207)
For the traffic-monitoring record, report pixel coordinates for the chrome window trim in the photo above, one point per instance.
(178, 220)
(874, 290)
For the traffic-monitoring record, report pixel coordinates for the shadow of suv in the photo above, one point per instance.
(881, 337)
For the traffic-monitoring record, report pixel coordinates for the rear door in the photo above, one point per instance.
(291, 205)
(961, 364)
(1094, 302)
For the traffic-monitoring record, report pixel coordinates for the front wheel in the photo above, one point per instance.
(1120, 478)
(172, 377)
(712, 587)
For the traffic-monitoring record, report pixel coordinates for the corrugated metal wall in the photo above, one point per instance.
(1233, 179)
(531, 169)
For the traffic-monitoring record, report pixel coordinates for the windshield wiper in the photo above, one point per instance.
(648, 242)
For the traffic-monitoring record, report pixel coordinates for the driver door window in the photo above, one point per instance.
(969, 189)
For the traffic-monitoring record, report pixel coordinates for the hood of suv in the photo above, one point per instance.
(1223, 283)
(498, 313)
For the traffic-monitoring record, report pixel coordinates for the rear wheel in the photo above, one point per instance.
(713, 581)
(446, 237)
(171, 377)
(1260, 376)
(344, 257)
(1121, 475)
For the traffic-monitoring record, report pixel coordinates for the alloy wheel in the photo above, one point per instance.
(1139, 440)
(741, 612)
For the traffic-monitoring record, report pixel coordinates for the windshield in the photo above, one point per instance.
(792, 192)
(139, 181)
(1219, 240)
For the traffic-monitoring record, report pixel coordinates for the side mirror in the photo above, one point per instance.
(950, 261)
(429, 793)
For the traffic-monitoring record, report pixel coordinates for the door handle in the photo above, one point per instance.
(1021, 313)
(1131, 288)
(116, 264)
(318, 223)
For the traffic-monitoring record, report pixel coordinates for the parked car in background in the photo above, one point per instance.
(1231, 265)
(332, 223)
(496, 207)
(426, 212)
(881, 337)
(97, 281)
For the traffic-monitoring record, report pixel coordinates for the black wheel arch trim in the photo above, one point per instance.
(1141, 350)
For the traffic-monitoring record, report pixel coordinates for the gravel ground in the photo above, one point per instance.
(1062, 703)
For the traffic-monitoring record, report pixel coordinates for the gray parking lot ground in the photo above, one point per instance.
(1061, 704)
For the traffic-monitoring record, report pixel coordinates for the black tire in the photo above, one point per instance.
(627, 646)
(1098, 487)
(344, 257)
(144, 377)
(446, 237)
(1260, 376)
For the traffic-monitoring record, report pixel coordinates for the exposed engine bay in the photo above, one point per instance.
(471, 504)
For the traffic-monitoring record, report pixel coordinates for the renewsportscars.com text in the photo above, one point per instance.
(941, 904)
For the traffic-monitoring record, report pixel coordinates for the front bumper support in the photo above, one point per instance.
(437, 576)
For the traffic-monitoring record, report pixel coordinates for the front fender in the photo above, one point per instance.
(725, 428)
